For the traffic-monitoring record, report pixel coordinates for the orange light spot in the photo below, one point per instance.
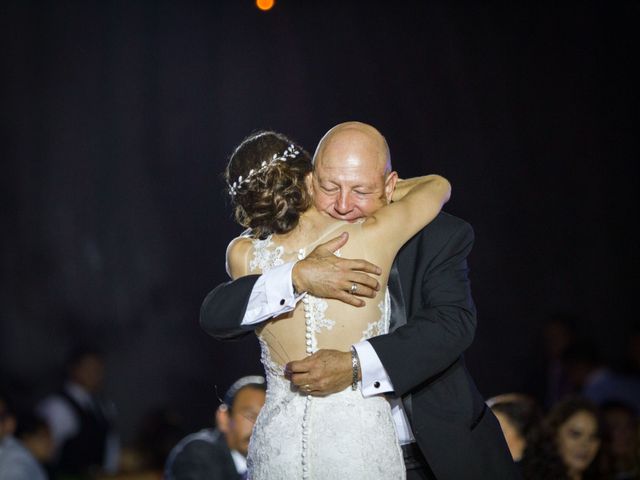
(265, 5)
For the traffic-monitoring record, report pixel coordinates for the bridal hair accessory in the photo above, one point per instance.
(290, 152)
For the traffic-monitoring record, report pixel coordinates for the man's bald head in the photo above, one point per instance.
(352, 175)
(351, 138)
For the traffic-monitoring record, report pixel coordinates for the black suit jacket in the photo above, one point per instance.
(433, 322)
(201, 456)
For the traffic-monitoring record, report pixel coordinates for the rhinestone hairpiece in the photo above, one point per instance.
(290, 152)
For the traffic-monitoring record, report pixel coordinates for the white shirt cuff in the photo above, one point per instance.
(375, 379)
(272, 295)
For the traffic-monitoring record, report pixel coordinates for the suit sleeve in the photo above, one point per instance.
(224, 307)
(438, 332)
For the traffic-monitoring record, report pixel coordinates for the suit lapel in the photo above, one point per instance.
(398, 317)
(398, 310)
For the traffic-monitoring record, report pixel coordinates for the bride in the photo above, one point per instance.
(296, 435)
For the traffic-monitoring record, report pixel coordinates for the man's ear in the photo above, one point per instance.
(390, 185)
(222, 418)
(308, 181)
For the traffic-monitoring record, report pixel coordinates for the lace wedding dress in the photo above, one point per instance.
(340, 436)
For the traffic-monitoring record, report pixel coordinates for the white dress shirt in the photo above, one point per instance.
(17, 462)
(240, 462)
(273, 295)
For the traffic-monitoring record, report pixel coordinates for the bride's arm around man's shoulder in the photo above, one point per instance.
(415, 203)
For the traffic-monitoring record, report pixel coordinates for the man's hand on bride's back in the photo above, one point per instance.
(325, 275)
(323, 373)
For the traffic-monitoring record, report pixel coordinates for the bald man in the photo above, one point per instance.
(438, 411)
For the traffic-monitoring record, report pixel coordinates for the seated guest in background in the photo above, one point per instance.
(221, 453)
(144, 456)
(17, 459)
(519, 416)
(34, 433)
(621, 440)
(160, 429)
(570, 438)
(81, 421)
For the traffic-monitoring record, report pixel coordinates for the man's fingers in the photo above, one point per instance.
(300, 379)
(335, 243)
(364, 281)
(297, 366)
(361, 266)
(319, 393)
(363, 291)
(359, 290)
(348, 298)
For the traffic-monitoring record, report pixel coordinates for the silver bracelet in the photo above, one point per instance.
(355, 368)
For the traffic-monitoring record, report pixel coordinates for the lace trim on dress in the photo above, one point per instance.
(317, 307)
(263, 258)
(382, 325)
(300, 436)
(271, 368)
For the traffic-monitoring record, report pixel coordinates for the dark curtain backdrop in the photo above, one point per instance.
(117, 118)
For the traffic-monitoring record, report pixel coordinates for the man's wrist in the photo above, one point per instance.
(375, 379)
(298, 289)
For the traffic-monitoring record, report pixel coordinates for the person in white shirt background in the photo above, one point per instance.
(25, 444)
(82, 421)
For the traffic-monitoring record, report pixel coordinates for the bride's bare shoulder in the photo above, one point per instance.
(237, 252)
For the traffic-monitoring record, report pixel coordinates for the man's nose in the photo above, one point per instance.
(343, 203)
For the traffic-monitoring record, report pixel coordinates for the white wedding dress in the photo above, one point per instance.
(340, 436)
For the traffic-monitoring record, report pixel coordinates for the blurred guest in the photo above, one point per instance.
(34, 433)
(592, 379)
(221, 453)
(621, 440)
(160, 430)
(519, 416)
(81, 422)
(568, 444)
(559, 333)
(18, 459)
(632, 354)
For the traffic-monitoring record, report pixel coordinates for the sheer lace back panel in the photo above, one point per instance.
(319, 323)
(342, 435)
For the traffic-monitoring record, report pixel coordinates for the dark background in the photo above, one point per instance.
(117, 119)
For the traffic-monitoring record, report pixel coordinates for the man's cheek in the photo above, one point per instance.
(369, 207)
(324, 204)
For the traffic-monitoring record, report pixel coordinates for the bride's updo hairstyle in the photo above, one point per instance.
(266, 179)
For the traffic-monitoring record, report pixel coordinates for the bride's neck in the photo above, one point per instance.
(315, 219)
(311, 223)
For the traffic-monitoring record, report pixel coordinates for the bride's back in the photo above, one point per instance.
(318, 323)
